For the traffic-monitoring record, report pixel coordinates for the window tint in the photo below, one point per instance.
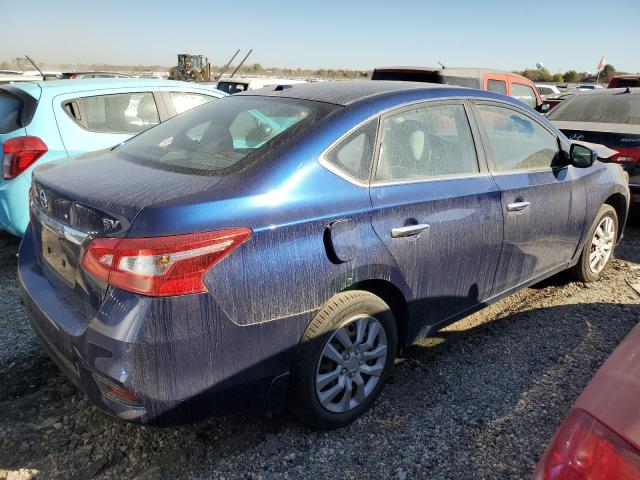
(353, 154)
(499, 86)
(222, 137)
(119, 113)
(183, 101)
(425, 143)
(524, 94)
(518, 143)
(599, 108)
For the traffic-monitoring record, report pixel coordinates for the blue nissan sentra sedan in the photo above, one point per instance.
(279, 247)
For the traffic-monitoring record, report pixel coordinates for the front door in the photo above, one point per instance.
(436, 208)
(543, 199)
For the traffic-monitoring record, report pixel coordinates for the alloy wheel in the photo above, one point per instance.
(351, 364)
(602, 244)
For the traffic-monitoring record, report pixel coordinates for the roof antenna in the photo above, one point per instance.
(628, 90)
(441, 64)
(34, 64)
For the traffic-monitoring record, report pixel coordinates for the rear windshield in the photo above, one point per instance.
(620, 108)
(223, 136)
(10, 109)
(232, 87)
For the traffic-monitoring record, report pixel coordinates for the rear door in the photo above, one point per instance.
(436, 208)
(543, 199)
(95, 120)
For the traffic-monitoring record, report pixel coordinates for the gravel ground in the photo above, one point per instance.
(479, 400)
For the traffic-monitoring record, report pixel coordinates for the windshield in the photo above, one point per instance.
(618, 108)
(224, 136)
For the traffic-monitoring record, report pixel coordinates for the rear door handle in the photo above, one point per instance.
(517, 206)
(409, 230)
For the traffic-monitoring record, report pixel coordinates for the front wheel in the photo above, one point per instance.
(598, 249)
(343, 359)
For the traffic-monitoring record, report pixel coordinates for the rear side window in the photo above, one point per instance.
(524, 94)
(127, 113)
(10, 110)
(353, 153)
(425, 143)
(517, 142)
(183, 101)
(498, 86)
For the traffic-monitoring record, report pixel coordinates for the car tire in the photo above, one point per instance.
(600, 243)
(340, 368)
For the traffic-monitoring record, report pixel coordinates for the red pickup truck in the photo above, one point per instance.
(499, 81)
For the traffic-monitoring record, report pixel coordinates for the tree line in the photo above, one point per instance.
(571, 76)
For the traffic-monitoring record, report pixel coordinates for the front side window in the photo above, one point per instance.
(518, 142)
(221, 137)
(498, 86)
(354, 152)
(524, 94)
(183, 101)
(425, 143)
(128, 113)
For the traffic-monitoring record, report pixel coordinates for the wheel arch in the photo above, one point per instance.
(393, 297)
(619, 203)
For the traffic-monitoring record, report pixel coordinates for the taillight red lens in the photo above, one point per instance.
(19, 153)
(161, 266)
(626, 155)
(585, 449)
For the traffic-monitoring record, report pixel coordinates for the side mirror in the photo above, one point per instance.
(544, 108)
(582, 156)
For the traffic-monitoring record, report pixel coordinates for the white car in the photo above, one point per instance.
(242, 84)
(547, 90)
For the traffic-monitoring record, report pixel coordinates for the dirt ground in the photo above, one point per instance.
(478, 400)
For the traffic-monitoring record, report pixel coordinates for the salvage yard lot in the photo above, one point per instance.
(478, 400)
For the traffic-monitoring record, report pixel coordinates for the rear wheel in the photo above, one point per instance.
(598, 249)
(343, 359)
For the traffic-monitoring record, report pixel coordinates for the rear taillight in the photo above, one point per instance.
(19, 153)
(161, 266)
(584, 449)
(626, 155)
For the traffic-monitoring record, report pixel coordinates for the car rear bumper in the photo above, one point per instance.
(14, 200)
(180, 357)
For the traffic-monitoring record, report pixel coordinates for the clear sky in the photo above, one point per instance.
(354, 34)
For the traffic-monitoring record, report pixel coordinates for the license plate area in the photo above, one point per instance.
(54, 254)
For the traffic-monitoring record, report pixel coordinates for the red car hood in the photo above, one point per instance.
(613, 395)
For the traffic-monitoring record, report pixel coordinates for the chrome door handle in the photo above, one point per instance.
(517, 206)
(409, 230)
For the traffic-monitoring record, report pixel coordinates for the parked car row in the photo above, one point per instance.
(279, 247)
(379, 212)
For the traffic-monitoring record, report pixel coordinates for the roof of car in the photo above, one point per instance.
(344, 92)
(451, 71)
(64, 86)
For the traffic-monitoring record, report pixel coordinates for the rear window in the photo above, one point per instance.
(407, 76)
(619, 108)
(232, 87)
(223, 136)
(626, 82)
(10, 109)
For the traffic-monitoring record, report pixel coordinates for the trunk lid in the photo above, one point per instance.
(93, 195)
